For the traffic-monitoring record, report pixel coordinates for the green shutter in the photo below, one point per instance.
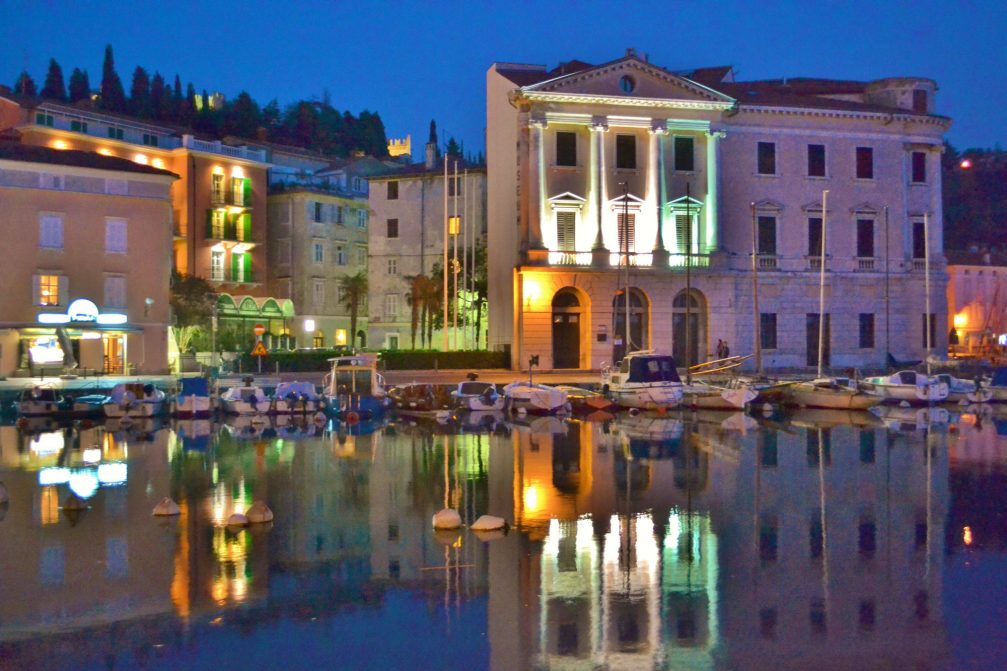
(247, 192)
(209, 224)
(246, 227)
(235, 266)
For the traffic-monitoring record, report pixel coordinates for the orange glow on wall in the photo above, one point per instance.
(967, 535)
(59, 144)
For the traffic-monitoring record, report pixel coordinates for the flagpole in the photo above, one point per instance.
(444, 288)
(926, 272)
(454, 266)
(821, 285)
(465, 257)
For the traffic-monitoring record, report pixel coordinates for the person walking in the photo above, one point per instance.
(720, 349)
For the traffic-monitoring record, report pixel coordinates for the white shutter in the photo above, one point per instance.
(629, 229)
(566, 231)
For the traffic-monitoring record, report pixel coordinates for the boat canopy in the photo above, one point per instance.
(1000, 377)
(296, 389)
(475, 388)
(653, 368)
(195, 386)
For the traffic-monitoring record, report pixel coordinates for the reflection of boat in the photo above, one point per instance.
(295, 427)
(139, 429)
(643, 380)
(584, 401)
(540, 424)
(194, 434)
(248, 427)
(998, 385)
(133, 399)
(840, 393)
(535, 398)
(650, 427)
(193, 399)
(967, 391)
(910, 419)
(907, 385)
(827, 418)
(480, 420)
(354, 388)
(702, 395)
(472, 395)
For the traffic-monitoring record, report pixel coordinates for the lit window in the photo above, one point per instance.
(217, 265)
(340, 336)
(238, 191)
(217, 188)
(218, 219)
(48, 290)
(454, 225)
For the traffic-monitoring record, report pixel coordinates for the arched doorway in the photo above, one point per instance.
(566, 327)
(688, 307)
(638, 326)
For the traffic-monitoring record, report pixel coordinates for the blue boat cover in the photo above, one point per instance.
(1000, 377)
(652, 369)
(195, 386)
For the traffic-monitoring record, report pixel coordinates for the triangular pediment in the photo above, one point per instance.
(630, 77)
(769, 205)
(567, 197)
(628, 201)
(865, 208)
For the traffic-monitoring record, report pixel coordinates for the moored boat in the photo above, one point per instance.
(965, 391)
(585, 402)
(838, 393)
(998, 386)
(907, 385)
(134, 399)
(420, 398)
(643, 380)
(707, 396)
(534, 398)
(193, 399)
(477, 396)
(354, 388)
(245, 400)
(49, 402)
(296, 398)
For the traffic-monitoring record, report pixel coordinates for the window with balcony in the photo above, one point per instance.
(566, 149)
(241, 270)
(217, 224)
(238, 191)
(686, 231)
(50, 232)
(217, 188)
(627, 232)
(115, 236)
(865, 163)
(816, 160)
(919, 240)
(766, 158)
(393, 228)
(625, 152)
(865, 238)
(685, 154)
(47, 289)
(566, 231)
(393, 190)
(115, 291)
(919, 167)
(815, 236)
(217, 265)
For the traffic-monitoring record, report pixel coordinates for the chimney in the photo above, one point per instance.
(431, 157)
(630, 52)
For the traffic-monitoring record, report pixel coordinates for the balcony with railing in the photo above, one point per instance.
(865, 264)
(230, 276)
(768, 262)
(640, 260)
(230, 228)
(217, 147)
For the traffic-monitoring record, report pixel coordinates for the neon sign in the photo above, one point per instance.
(82, 311)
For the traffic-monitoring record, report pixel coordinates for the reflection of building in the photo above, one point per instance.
(713, 549)
(86, 241)
(633, 165)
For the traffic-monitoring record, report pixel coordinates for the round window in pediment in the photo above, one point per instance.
(627, 84)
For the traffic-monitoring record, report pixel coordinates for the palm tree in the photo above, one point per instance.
(432, 301)
(354, 288)
(416, 304)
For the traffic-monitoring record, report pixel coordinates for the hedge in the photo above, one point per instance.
(317, 360)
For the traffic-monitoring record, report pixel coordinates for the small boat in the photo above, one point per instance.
(296, 398)
(134, 399)
(477, 396)
(49, 402)
(708, 396)
(246, 400)
(907, 385)
(193, 399)
(998, 385)
(538, 399)
(965, 391)
(773, 392)
(644, 380)
(420, 398)
(354, 388)
(584, 401)
(838, 393)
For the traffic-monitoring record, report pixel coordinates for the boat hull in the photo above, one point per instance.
(646, 396)
(717, 399)
(135, 409)
(809, 396)
(192, 406)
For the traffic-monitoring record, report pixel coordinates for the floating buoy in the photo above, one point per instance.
(488, 523)
(352, 417)
(237, 520)
(259, 513)
(633, 412)
(4, 494)
(447, 519)
(166, 508)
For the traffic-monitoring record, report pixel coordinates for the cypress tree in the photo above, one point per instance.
(80, 85)
(113, 96)
(25, 85)
(54, 87)
(160, 97)
(139, 94)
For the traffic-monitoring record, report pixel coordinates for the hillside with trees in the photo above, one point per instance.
(975, 199)
(312, 124)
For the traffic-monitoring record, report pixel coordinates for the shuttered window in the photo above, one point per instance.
(115, 291)
(566, 231)
(115, 236)
(627, 231)
(50, 231)
(682, 233)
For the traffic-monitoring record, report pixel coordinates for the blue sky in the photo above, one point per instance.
(413, 61)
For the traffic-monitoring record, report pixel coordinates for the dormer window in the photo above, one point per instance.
(920, 101)
(627, 84)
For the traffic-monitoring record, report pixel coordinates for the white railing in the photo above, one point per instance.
(865, 264)
(767, 262)
(919, 264)
(815, 263)
(217, 147)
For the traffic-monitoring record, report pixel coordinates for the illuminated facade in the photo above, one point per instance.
(86, 253)
(623, 174)
(977, 303)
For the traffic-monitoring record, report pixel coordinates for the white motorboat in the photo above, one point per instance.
(907, 385)
(246, 400)
(644, 380)
(707, 396)
(534, 398)
(296, 398)
(193, 399)
(477, 396)
(134, 399)
(965, 391)
(839, 393)
(49, 402)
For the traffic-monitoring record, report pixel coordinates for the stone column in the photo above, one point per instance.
(537, 253)
(599, 125)
(655, 191)
(712, 241)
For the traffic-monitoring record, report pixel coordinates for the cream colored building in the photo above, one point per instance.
(625, 173)
(87, 261)
(977, 302)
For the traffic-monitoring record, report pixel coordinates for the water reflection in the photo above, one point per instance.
(696, 541)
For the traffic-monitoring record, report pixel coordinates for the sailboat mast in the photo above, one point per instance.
(927, 320)
(888, 328)
(444, 273)
(688, 284)
(755, 294)
(821, 284)
(625, 236)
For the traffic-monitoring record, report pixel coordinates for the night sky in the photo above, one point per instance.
(414, 61)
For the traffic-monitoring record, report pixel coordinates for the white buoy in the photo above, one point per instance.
(4, 494)
(488, 523)
(166, 508)
(447, 519)
(259, 513)
(237, 520)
